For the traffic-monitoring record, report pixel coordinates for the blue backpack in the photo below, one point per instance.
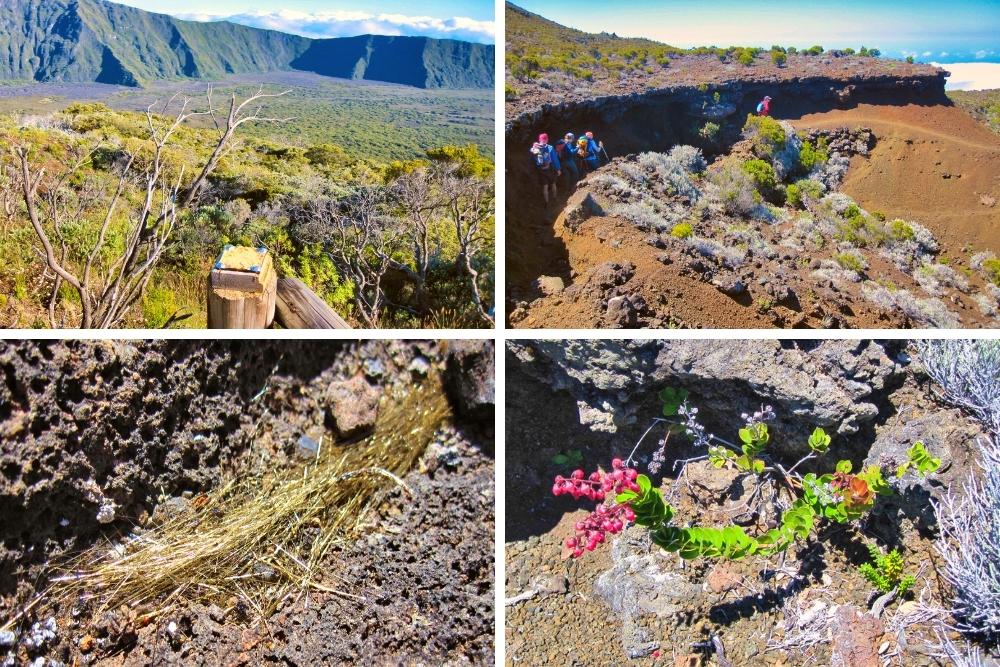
(543, 159)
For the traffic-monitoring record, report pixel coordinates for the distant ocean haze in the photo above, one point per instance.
(972, 76)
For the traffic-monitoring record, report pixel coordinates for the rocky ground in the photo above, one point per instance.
(695, 70)
(912, 163)
(98, 435)
(580, 403)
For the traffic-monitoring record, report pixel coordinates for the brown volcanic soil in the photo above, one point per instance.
(932, 164)
(137, 420)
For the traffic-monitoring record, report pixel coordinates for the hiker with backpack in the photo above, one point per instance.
(764, 106)
(566, 149)
(547, 166)
(589, 151)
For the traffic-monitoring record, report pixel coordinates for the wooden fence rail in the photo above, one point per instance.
(244, 292)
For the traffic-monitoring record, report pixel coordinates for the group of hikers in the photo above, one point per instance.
(571, 156)
(579, 156)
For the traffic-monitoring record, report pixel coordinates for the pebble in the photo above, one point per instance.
(420, 366)
(7, 638)
(307, 447)
(171, 628)
(374, 368)
(106, 512)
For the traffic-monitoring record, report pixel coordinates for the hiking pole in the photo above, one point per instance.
(604, 150)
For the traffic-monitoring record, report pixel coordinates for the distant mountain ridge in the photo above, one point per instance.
(95, 40)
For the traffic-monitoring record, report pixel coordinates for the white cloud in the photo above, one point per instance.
(347, 23)
(925, 54)
(972, 76)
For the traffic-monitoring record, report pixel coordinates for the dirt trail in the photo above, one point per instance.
(933, 164)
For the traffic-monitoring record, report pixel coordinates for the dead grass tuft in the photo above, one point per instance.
(260, 540)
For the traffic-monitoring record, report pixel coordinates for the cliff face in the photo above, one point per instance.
(414, 61)
(94, 40)
(657, 119)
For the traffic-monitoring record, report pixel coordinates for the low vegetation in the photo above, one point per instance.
(536, 46)
(983, 104)
(777, 178)
(113, 218)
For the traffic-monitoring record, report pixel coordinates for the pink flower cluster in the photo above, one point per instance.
(606, 518)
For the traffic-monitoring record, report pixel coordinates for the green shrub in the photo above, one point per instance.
(991, 267)
(745, 58)
(524, 69)
(900, 230)
(861, 230)
(682, 230)
(767, 134)
(850, 261)
(814, 50)
(158, 306)
(326, 156)
(793, 195)
(909, 59)
(710, 131)
(885, 571)
(762, 174)
(778, 58)
(811, 156)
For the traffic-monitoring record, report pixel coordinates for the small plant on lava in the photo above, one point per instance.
(842, 496)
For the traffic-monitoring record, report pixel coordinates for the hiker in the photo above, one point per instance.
(566, 150)
(589, 151)
(546, 165)
(764, 107)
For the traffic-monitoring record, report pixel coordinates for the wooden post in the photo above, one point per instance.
(301, 308)
(242, 289)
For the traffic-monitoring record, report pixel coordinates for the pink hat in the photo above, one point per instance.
(543, 138)
(590, 135)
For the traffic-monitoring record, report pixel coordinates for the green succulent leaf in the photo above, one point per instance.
(920, 460)
(718, 456)
(819, 441)
(672, 399)
(626, 496)
(872, 475)
(644, 484)
(844, 466)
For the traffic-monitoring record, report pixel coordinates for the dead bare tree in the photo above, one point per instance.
(420, 199)
(363, 240)
(106, 299)
(470, 204)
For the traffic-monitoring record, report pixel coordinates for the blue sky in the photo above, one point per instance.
(941, 30)
(471, 20)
